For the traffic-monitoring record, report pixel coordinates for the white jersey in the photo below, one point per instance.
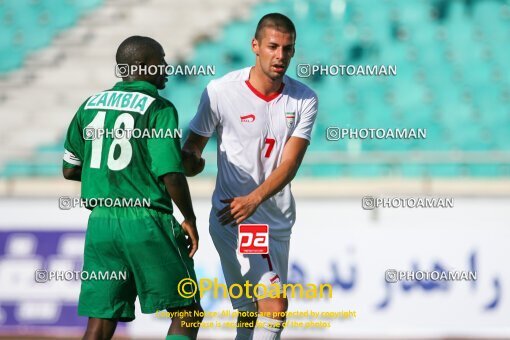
(252, 130)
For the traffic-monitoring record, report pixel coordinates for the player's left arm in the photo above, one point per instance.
(240, 208)
(73, 150)
(72, 174)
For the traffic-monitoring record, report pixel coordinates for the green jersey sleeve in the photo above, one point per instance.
(74, 144)
(165, 153)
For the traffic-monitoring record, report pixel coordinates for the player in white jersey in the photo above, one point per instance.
(263, 120)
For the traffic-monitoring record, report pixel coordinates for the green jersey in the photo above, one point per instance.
(125, 139)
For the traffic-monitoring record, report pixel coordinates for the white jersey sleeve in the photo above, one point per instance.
(307, 118)
(207, 118)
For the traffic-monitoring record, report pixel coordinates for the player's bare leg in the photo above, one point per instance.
(272, 318)
(187, 325)
(100, 329)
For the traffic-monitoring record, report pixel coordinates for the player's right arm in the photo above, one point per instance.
(202, 127)
(192, 154)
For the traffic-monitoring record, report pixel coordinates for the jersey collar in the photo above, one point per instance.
(262, 96)
(267, 98)
(136, 85)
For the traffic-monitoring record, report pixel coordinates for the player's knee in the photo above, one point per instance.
(273, 305)
(100, 329)
(281, 304)
(95, 333)
(284, 304)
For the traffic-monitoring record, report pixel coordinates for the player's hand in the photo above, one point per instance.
(190, 229)
(238, 209)
(193, 165)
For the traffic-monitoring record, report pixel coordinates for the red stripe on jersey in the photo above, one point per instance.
(267, 98)
(266, 256)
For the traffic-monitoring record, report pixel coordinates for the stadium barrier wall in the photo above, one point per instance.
(334, 241)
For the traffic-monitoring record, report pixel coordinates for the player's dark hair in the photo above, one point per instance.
(277, 21)
(136, 48)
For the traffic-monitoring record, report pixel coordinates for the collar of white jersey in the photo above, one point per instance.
(262, 96)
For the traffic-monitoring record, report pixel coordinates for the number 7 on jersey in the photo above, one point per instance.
(270, 145)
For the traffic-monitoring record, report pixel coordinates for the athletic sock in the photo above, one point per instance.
(269, 330)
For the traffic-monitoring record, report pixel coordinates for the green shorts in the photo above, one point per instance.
(146, 251)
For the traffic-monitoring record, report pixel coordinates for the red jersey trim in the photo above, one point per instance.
(267, 98)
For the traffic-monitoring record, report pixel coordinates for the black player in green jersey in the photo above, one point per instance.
(145, 241)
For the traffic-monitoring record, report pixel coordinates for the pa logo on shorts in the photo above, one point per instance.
(253, 239)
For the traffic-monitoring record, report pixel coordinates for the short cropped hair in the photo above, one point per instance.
(277, 21)
(136, 48)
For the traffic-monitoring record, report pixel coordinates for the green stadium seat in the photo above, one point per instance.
(30, 25)
(11, 59)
